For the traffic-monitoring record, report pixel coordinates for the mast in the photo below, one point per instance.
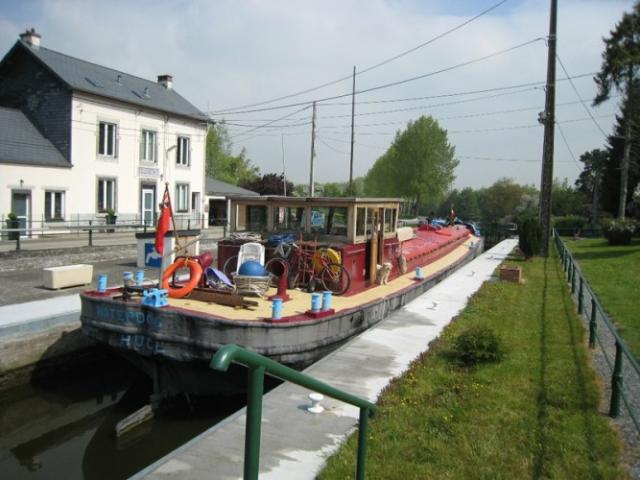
(313, 152)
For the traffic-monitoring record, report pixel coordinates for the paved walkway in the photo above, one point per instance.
(295, 443)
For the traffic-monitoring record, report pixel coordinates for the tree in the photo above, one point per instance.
(589, 182)
(620, 61)
(220, 163)
(565, 200)
(502, 200)
(464, 202)
(418, 166)
(269, 184)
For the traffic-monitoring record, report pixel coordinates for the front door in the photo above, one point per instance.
(21, 206)
(148, 202)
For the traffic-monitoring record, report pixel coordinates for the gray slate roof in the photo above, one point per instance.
(21, 143)
(96, 79)
(218, 188)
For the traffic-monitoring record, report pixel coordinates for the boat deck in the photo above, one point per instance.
(301, 301)
(295, 443)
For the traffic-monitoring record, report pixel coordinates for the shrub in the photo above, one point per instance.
(569, 224)
(12, 216)
(530, 235)
(477, 344)
(619, 231)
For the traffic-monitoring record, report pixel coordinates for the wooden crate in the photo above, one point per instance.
(511, 274)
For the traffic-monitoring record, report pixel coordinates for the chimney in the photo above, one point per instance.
(166, 81)
(31, 37)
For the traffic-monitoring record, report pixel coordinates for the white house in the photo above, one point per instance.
(78, 139)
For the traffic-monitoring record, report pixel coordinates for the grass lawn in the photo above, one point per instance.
(613, 273)
(533, 415)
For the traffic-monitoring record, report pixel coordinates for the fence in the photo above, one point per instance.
(620, 362)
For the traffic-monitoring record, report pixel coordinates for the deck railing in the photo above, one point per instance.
(258, 366)
(624, 363)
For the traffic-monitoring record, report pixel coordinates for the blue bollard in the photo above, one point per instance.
(102, 283)
(276, 309)
(315, 302)
(419, 273)
(139, 277)
(326, 301)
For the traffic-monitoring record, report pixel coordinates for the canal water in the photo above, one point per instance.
(63, 426)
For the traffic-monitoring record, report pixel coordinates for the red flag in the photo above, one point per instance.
(163, 223)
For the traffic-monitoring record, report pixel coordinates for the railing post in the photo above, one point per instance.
(254, 420)
(573, 278)
(580, 293)
(90, 233)
(616, 383)
(592, 324)
(18, 242)
(362, 443)
(144, 227)
(188, 223)
(569, 270)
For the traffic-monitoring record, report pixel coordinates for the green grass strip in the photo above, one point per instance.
(613, 273)
(532, 415)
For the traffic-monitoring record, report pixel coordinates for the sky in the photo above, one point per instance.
(228, 54)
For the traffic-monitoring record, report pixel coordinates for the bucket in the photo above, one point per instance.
(315, 302)
(326, 301)
(276, 309)
(102, 283)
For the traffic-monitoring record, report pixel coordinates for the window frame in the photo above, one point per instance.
(105, 195)
(49, 213)
(103, 139)
(183, 151)
(182, 201)
(146, 155)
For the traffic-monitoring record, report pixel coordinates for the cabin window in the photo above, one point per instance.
(251, 218)
(329, 221)
(361, 221)
(389, 219)
(288, 218)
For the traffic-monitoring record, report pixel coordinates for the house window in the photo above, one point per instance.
(53, 205)
(106, 194)
(107, 139)
(182, 197)
(183, 154)
(148, 146)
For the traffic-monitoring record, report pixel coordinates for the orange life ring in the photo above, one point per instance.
(195, 271)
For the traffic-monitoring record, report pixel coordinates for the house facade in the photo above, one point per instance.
(79, 141)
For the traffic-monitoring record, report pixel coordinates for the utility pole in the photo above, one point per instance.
(313, 151)
(548, 118)
(353, 110)
(284, 169)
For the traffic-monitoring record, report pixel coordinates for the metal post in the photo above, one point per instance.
(616, 384)
(188, 224)
(18, 242)
(580, 294)
(573, 278)
(254, 420)
(313, 151)
(353, 110)
(592, 324)
(90, 233)
(362, 443)
(569, 270)
(144, 227)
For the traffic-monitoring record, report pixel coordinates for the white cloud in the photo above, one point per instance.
(230, 53)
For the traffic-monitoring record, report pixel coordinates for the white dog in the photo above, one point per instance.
(383, 273)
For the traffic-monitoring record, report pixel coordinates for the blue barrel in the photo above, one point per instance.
(102, 283)
(326, 301)
(276, 309)
(315, 302)
(419, 273)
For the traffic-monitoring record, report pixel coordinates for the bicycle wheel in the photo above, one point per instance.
(230, 266)
(335, 278)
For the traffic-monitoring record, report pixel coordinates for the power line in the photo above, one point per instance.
(392, 84)
(330, 147)
(580, 98)
(497, 159)
(568, 147)
(368, 69)
(270, 123)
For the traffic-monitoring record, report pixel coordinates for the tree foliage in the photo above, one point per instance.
(418, 166)
(269, 184)
(504, 199)
(220, 163)
(565, 199)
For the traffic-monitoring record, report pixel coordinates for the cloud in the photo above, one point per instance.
(228, 53)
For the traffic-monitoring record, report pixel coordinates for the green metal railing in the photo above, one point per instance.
(258, 366)
(622, 352)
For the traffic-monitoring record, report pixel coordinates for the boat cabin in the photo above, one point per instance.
(346, 225)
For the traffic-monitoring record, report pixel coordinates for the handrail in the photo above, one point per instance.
(259, 365)
(617, 385)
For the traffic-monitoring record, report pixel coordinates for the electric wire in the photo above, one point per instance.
(368, 69)
(568, 147)
(272, 122)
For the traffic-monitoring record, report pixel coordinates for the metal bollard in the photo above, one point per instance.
(616, 384)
